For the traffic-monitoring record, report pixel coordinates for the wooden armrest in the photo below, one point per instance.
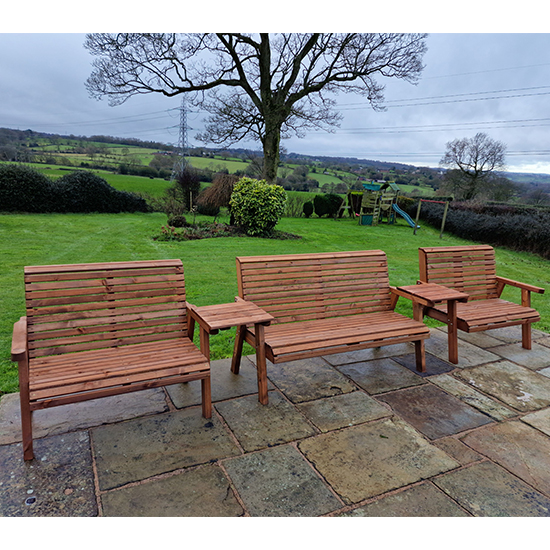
(523, 286)
(19, 340)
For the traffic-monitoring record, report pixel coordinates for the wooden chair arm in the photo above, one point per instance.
(19, 348)
(524, 286)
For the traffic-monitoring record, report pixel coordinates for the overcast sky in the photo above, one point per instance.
(497, 83)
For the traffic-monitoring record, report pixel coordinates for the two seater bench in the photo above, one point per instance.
(95, 330)
(322, 304)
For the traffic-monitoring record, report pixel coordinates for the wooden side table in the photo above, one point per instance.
(426, 295)
(235, 314)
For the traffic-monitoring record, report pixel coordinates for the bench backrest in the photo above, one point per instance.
(93, 306)
(299, 287)
(469, 269)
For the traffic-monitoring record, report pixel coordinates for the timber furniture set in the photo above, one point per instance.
(95, 330)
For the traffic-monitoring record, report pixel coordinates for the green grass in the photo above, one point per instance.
(210, 263)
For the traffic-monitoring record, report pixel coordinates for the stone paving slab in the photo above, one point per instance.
(483, 339)
(333, 413)
(472, 397)
(433, 412)
(539, 420)
(306, 380)
(138, 449)
(363, 461)
(458, 450)
(380, 375)
(257, 426)
(434, 365)
(536, 358)
(423, 500)
(369, 354)
(224, 384)
(487, 490)
(279, 482)
(58, 482)
(77, 416)
(518, 387)
(519, 448)
(201, 492)
(468, 354)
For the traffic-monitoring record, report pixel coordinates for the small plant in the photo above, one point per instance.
(177, 221)
(308, 209)
(257, 205)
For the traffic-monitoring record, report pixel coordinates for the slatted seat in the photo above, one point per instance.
(94, 330)
(472, 269)
(323, 304)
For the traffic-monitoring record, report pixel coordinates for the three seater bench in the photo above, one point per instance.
(471, 269)
(322, 304)
(95, 330)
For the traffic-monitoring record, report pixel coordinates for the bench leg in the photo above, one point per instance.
(238, 350)
(261, 364)
(206, 398)
(26, 429)
(526, 335)
(420, 355)
(452, 332)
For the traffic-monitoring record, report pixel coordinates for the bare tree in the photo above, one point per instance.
(254, 86)
(472, 162)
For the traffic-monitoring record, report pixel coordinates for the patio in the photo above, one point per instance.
(357, 434)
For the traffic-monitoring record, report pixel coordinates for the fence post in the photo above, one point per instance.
(417, 216)
(444, 218)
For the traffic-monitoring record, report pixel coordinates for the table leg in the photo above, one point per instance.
(261, 364)
(238, 349)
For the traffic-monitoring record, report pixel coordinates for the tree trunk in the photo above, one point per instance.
(271, 143)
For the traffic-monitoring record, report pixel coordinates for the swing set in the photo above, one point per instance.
(446, 203)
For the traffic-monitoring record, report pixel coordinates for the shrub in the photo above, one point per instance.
(256, 205)
(82, 191)
(24, 189)
(308, 209)
(327, 204)
(320, 205)
(177, 221)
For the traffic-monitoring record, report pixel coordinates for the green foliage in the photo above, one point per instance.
(257, 206)
(308, 209)
(81, 191)
(327, 204)
(177, 221)
(23, 189)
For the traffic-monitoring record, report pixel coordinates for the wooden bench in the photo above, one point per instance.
(323, 303)
(94, 330)
(472, 270)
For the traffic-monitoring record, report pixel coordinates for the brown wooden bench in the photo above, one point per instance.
(94, 330)
(323, 303)
(472, 270)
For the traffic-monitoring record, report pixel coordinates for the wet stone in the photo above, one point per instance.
(519, 448)
(344, 410)
(58, 482)
(536, 358)
(279, 482)
(201, 492)
(539, 420)
(518, 387)
(422, 500)
(225, 384)
(380, 375)
(367, 460)
(369, 354)
(308, 379)
(78, 416)
(487, 490)
(433, 412)
(474, 398)
(457, 450)
(138, 449)
(434, 365)
(257, 426)
(468, 354)
(482, 339)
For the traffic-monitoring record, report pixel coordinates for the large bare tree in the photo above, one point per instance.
(472, 163)
(264, 86)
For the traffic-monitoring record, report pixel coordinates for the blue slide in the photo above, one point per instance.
(408, 219)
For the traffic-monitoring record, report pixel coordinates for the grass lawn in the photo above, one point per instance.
(210, 263)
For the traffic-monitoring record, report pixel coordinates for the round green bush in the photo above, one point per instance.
(23, 189)
(256, 205)
(308, 209)
(177, 221)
